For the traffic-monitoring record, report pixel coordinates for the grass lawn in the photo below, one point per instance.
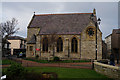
(7, 62)
(61, 61)
(69, 72)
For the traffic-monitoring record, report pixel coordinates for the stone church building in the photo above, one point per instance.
(67, 35)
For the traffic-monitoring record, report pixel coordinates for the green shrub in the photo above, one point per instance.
(15, 72)
(7, 61)
(56, 59)
(37, 56)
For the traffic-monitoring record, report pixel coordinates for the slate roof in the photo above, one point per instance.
(117, 31)
(108, 36)
(15, 38)
(71, 23)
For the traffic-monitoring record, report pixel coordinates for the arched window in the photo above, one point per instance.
(45, 44)
(59, 45)
(74, 45)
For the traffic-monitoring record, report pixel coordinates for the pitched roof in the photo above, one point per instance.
(72, 23)
(108, 36)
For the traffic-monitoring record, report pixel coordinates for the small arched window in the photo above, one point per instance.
(45, 44)
(90, 32)
(59, 45)
(74, 45)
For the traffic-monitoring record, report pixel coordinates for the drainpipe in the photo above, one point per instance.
(40, 46)
(80, 46)
(68, 49)
(35, 44)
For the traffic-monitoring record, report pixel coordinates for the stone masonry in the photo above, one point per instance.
(85, 43)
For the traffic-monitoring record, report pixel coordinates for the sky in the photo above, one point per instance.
(23, 12)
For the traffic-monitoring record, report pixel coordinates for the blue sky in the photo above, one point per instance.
(23, 12)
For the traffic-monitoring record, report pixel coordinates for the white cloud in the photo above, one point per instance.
(60, 0)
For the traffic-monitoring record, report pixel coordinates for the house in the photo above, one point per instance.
(108, 42)
(18, 44)
(67, 35)
(115, 43)
(104, 50)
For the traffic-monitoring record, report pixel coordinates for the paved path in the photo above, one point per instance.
(26, 63)
(86, 65)
(4, 66)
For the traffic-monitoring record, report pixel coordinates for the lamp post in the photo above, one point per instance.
(96, 25)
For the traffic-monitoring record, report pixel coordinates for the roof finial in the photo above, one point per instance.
(34, 13)
(94, 11)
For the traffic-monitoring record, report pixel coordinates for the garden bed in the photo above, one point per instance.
(60, 61)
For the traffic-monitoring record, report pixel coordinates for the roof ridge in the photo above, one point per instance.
(60, 14)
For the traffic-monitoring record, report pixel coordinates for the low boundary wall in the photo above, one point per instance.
(108, 70)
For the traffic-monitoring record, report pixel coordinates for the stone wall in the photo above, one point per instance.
(104, 50)
(63, 54)
(31, 32)
(110, 71)
(86, 45)
(108, 42)
(115, 41)
(30, 53)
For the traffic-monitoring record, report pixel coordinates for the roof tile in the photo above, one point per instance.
(72, 23)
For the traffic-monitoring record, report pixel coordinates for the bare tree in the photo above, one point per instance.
(8, 28)
(52, 42)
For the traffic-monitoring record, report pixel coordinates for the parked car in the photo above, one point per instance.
(21, 55)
